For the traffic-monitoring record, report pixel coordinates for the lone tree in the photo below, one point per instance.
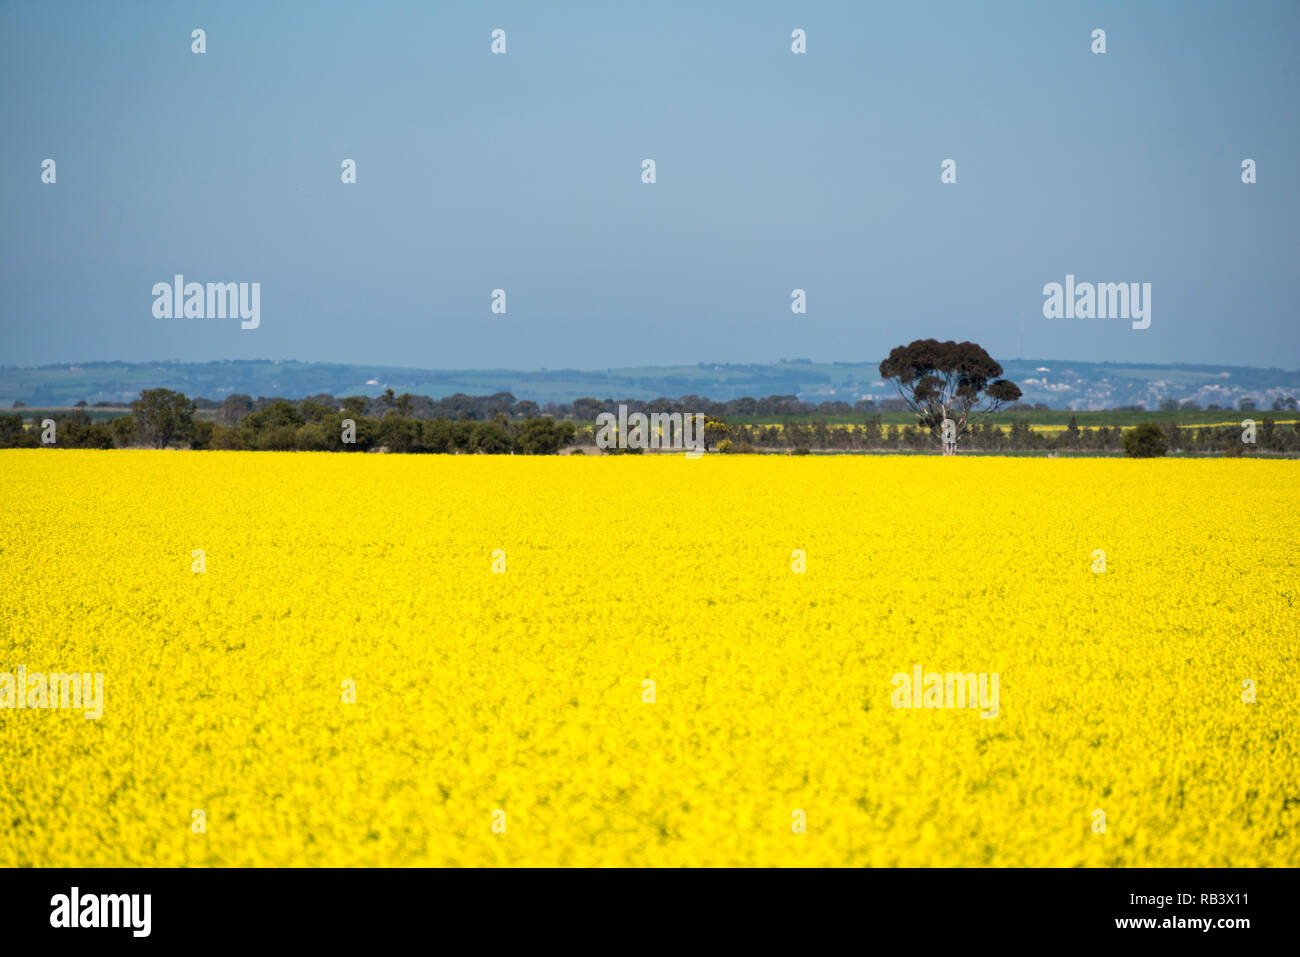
(163, 416)
(947, 381)
(1145, 441)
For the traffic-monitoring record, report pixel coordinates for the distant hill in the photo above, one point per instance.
(1057, 382)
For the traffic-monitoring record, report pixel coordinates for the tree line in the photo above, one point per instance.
(1018, 437)
(162, 418)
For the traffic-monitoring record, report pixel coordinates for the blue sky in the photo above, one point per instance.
(775, 171)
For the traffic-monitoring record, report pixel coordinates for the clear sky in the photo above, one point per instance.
(522, 171)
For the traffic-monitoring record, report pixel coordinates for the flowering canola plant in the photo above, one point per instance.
(344, 659)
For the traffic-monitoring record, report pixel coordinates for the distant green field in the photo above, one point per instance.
(96, 415)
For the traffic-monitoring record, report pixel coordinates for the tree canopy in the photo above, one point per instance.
(947, 380)
(163, 416)
(1146, 441)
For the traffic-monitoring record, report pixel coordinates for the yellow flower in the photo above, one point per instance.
(500, 717)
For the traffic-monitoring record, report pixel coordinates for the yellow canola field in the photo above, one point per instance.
(502, 717)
